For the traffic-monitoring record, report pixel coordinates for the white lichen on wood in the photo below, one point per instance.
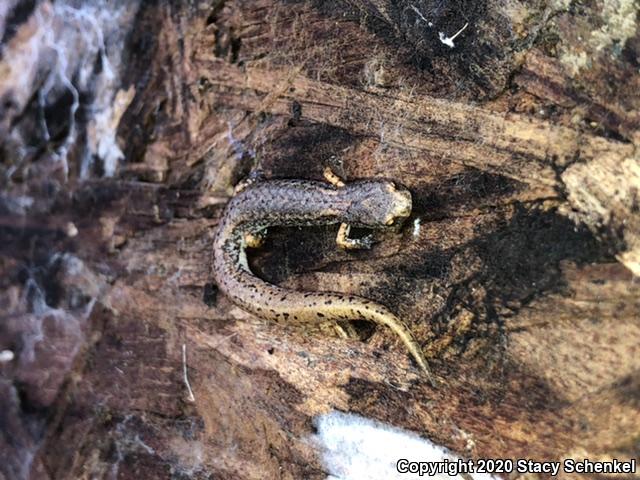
(605, 195)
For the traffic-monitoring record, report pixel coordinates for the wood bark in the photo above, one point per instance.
(516, 271)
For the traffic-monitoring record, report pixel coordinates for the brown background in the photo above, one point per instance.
(514, 271)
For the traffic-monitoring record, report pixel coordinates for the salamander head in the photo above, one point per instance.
(378, 203)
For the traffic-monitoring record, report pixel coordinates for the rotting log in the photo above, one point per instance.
(515, 271)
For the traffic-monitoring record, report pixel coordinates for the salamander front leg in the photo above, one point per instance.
(343, 240)
(332, 178)
(253, 177)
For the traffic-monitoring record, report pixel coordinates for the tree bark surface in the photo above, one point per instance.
(516, 271)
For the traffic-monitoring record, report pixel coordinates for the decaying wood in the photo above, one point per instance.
(515, 271)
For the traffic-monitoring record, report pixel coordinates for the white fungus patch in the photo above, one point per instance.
(76, 47)
(68, 323)
(356, 448)
(17, 204)
(448, 41)
(415, 232)
(419, 13)
(239, 147)
(81, 30)
(6, 356)
(618, 24)
(126, 442)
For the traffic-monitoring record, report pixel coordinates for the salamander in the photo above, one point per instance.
(374, 204)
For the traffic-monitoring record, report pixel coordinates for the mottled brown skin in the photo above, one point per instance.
(372, 204)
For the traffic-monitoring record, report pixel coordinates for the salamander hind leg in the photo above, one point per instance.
(343, 240)
(346, 330)
(332, 178)
(255, 239)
